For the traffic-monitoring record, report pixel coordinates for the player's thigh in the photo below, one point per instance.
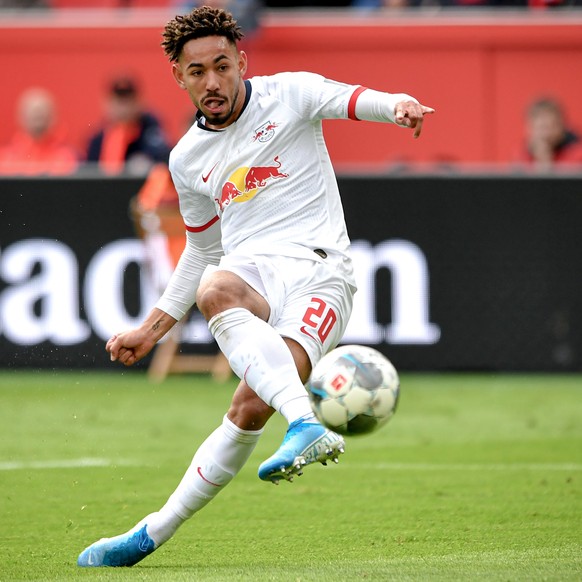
(222, 289)
(316, 312)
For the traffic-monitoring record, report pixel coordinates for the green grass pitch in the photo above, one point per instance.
(477, 477)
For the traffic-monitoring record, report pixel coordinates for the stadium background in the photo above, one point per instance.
(479, 71)
(497, 250)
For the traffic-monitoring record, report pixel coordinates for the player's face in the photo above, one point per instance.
(211, 69)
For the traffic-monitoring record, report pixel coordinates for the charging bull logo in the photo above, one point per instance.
(245, 183)
(265, 132)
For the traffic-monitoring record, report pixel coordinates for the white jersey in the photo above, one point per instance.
(268, 176)
(267, 180)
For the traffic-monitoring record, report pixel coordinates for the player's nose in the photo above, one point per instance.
(212, 82)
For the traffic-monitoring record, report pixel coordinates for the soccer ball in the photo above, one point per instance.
(354, 390)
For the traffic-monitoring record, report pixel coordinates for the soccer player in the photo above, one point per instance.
(266, 260)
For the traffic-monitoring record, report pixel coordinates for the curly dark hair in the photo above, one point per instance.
(201, 22)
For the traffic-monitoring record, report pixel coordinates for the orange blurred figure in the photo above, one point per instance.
(38, 147)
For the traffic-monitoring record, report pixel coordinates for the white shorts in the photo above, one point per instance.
(310, 300)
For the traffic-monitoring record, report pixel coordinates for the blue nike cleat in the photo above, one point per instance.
(304, 443)
(124, 550)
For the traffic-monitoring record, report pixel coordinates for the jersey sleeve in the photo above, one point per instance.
(203, 247)
(312, 96)
(198, 212)
(315, 97)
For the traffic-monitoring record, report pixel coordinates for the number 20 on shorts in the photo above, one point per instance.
(319, 318)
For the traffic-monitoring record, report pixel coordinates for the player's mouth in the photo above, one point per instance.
(214, 105)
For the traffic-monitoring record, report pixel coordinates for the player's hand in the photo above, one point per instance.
(129, 347)
(411, 114)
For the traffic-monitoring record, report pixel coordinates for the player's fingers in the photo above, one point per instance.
(411, 114)
(407, 112)
(125, 356)
(113, 346)
(133, 355)
(113, 350)
(400, 114)
(417, 128)
(130, 357)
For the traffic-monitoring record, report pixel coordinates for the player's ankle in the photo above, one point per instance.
(309, 418)
(161, 526)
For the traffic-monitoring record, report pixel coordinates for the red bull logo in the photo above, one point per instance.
(245, 183)
(265, 132)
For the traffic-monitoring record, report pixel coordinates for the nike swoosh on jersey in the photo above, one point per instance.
(205, 178)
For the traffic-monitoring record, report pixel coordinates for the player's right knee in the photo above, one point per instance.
(217, 294)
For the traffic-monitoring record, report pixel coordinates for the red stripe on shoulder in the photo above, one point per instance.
(352, 103)
(203, 227)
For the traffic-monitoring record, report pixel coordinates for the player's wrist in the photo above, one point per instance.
(157, 325)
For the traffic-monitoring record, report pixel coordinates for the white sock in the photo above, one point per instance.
(258, 355)
(220, 457)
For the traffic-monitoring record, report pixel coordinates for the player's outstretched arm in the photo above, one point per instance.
(131, 346)
(411, 114)
(399, 108)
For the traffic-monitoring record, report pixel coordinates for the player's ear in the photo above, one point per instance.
(242, 62)
(178, 75)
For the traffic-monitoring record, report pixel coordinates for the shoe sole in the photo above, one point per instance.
(288, 473)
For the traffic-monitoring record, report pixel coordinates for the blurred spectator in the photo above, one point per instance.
(535, 4)
(543, 4)
(482, 3)
(158, 189)
(22, 4)
(307, 3)
(374, 4)
(38, 146)
(549, 141)
(132, 138)
(158, 196)
(110, 3)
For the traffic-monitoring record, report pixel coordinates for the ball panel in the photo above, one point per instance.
(333, 413)
(358, 400)
(368, 375)
(383, 403)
